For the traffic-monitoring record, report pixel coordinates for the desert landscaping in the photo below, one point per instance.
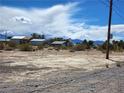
(51, 71)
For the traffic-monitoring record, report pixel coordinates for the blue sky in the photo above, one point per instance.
(94, 11)
(93, 14)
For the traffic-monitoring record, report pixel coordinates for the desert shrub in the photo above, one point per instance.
(71, 50)
(44, 45)
(63, 47)
(107, 65)
(116, 46)
(78, 48)
(100, 48)
(1, 46)
(34, 48)
(88, 44)
(7, 45)
(8, 48)
(12, 44)
(25, 47)
(118, 64)
(40, 47)
(57, 48)
(50, 48)
(119, 50)
(103, 47)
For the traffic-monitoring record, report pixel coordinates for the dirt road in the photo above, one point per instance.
(50, 71)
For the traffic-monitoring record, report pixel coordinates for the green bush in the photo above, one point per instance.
(25, 47)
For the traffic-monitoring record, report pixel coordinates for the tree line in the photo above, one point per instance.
(117, 46)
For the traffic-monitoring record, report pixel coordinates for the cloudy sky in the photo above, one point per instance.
(76, 19)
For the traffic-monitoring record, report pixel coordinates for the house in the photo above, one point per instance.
(37, 41)
(59, 43)
(20, 39)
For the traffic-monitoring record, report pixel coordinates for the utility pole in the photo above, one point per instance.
(5, 35)
(109, 29)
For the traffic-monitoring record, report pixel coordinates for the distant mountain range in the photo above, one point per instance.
(78, 41)
(98, 42)
(2, 36)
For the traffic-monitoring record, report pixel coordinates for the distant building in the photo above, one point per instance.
(20, 39)
(59, 43)
(37, 41)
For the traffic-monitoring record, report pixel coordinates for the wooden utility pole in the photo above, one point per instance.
(5, 35)
(109, 29)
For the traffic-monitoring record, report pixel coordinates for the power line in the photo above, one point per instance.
(115, 9)
(103, 2)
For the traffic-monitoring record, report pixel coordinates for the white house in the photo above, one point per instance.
(20, 39)
(59, 43)
(37, 41)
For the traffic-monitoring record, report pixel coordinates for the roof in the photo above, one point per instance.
(58, 42)
(20, 37)
(4, 40)
(41, 40)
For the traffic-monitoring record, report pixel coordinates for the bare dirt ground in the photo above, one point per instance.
(50, 71)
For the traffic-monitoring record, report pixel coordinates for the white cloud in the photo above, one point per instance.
(55, 21)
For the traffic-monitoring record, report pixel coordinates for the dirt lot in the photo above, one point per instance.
(50, 71)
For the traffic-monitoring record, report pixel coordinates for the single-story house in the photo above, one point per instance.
(37, 41)
(20, 39)
(59, 43)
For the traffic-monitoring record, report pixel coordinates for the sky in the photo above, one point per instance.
(76, 19)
